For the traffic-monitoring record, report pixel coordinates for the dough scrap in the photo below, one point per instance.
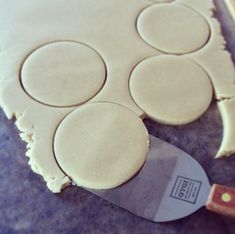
(173, 28)
(27, 26)
(227, 110)
(101, 145)
(59, 74)
(171, 89)
(231, 7)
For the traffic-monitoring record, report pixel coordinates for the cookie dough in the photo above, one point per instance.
(63, 74)
(231, 7)
(101, 145)
(173, 28)
(227, 110)
(176, 91)
(34, 32)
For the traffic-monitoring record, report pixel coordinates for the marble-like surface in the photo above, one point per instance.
(27, 206)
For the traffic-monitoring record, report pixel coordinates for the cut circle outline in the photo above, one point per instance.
(139, 162)
(61, 41)
(173, 3)
(160, 119)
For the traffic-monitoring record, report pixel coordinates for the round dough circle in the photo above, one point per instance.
(171, 89)
(63, 74)
(101, 145)
(173, 28)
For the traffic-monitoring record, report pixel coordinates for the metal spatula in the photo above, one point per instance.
(170, 186)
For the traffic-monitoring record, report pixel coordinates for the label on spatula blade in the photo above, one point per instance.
(186, 189)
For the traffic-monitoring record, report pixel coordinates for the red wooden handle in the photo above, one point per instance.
(222, 200)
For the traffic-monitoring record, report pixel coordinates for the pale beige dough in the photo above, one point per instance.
(107, 30)
(63, 74)
(231, 7)
(173, 28)
(28, 26)
(101, 145)
(171, 89)
(227, 110)
(160, 1)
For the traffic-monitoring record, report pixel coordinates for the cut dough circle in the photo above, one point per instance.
(63, 74)
(171, 89)
(101, 145)
(173, 28)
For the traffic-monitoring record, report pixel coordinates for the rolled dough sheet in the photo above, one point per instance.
(101, 145)
(56, 56)
(231, 7)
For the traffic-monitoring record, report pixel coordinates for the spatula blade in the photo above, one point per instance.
(170, 186)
